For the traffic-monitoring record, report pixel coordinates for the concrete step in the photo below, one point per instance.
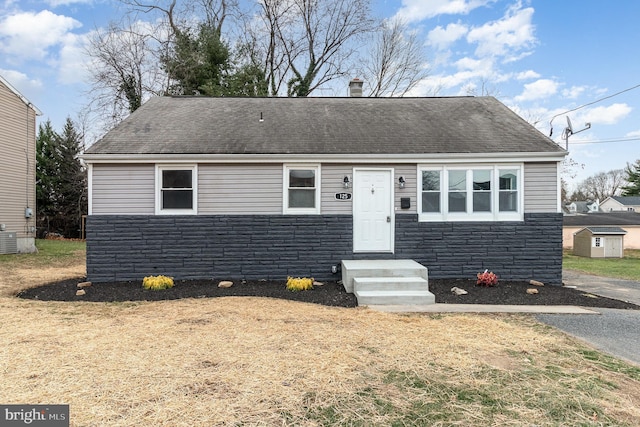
(390, 283)
(380, 268)
(395, 297)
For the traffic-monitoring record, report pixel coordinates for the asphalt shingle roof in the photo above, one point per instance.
(203, 125)
(602, 219)
(606, 230)
(628, 200)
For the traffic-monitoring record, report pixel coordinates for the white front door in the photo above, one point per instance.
(373, 219)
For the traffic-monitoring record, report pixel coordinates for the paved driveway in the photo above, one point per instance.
(616, 332)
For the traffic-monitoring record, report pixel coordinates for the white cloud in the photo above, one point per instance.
(507, 36)
(21, 81)
(417, 10)
(541, 88)
(574, 92)
(633, 134)
(72, 62)
(527, 75)
(441, 38)
(56, 3)
(29, 35)
(607, 115)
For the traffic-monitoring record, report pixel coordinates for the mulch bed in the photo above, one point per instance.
(331, 293)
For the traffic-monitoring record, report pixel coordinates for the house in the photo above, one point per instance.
(18, 171)
(599, 242)
(198, 187)
(586, 206)
(630, 221)
(619, 203)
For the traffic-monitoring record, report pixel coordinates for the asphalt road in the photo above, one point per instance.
(616, 332)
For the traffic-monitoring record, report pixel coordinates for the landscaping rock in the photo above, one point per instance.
(318, 284)
(532, 291)
(458, 291)
(225, 284)
(535, 283)
(84, 284)
(80, 292)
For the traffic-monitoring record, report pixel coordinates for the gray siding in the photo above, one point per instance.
(123, 189)
(240, 189)
(332, 183)
(257, 189)
(541, 187)
(275, 246)
(17, 164)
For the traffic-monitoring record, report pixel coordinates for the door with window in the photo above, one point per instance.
(373, 219)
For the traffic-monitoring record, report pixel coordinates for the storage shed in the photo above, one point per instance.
(599, 242)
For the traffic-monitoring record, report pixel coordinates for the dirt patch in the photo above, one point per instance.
(330, 294)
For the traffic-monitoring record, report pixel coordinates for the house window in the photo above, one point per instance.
(597, 242)
(301, 189)
(470, 193)
(176, 189)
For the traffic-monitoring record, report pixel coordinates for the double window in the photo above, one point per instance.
(301, 189)
(176, 189)
(470, 193)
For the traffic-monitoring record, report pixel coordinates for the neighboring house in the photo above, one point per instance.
(619, 203)
(18, 171)
(198, 187)
(630, 221)
(586, 206)
(599, 242)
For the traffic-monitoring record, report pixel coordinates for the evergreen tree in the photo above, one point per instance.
(61, 183)
(72, 190)
(633, 179)
(47, 172)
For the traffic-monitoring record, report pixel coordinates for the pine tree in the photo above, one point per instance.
(47, 173)
(61, 183)
(72, 189)
(633, 179)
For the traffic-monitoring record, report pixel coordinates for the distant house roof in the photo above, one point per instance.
(602, 219)
(19, 95)
(604, 230)
(308, 126)
(628, 200)
(582, 206)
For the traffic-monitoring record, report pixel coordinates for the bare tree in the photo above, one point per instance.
(308, 43)
(397, 62)
(124, 71)
(602, 185)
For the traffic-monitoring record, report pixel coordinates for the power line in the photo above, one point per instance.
(602, 141)
(591, 103)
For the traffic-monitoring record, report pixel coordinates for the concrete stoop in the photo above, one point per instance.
(387, 282)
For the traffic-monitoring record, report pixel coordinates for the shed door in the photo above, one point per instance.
(373, 219)
(613, 247)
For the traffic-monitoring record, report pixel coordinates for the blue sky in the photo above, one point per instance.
(541, 58)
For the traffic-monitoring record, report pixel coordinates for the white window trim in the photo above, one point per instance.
(194, 187)
(495, 215)
(285, 189)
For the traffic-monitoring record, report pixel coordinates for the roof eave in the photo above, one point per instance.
(425, 158)
(19, 95)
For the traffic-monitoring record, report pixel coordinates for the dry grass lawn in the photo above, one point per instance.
(253, 361)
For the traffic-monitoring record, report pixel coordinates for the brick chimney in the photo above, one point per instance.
(355, 87)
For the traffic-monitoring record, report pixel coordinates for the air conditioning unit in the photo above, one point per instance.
(8, 242)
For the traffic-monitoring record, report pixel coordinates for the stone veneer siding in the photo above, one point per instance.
(273, 247)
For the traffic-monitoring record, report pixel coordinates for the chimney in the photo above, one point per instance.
(355, 87)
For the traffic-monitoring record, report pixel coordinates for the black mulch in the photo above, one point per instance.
(331, 293)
